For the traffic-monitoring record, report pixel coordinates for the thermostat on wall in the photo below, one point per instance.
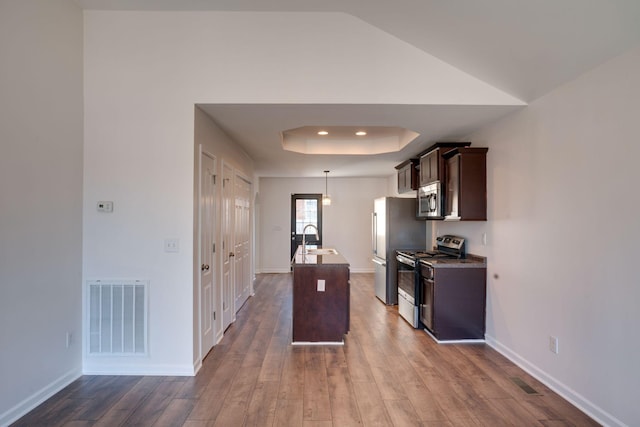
(105, 206)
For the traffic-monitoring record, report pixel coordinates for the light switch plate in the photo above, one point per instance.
(320, 285)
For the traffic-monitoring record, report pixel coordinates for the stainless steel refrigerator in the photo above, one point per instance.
(394, 227)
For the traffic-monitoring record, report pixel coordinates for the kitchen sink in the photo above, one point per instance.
(321, 251)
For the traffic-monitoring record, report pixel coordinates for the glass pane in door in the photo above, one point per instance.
(306, 213)
(305, 209)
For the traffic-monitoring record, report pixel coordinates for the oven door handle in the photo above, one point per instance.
(406, 261)
(379, 262)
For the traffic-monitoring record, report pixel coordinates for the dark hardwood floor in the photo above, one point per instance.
(387, 373)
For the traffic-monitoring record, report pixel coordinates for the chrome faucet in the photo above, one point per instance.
(304, 232)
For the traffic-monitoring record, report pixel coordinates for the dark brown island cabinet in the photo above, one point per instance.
(320, 296)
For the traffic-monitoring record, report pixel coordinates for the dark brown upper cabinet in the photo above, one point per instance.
(407, 176)
(432, 167)
(466, 184)
(429, 167)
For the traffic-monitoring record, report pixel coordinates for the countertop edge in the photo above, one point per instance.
(471, 261)
(318, 261)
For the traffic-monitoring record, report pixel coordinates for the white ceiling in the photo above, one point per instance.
(257, 127)
(522, 47)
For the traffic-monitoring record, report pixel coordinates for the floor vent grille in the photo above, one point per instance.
(117, 317)
(523, 385)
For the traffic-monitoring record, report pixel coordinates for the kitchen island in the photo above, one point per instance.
(320, 296)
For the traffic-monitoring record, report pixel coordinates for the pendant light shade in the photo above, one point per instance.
(326, 199)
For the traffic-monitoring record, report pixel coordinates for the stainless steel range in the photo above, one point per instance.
(408, 275)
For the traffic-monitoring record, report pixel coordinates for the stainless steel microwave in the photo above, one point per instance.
(430, 201)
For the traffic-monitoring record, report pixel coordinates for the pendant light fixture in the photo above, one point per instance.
(326, 199)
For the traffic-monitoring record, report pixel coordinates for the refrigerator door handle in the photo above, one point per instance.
(379, 262)
(374, 233)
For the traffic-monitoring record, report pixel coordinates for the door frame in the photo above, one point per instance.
(243, 259)
(227, 243)
(303, 196)
(215, 279)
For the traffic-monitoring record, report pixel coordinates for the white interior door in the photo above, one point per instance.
(242, 238)
(228, 291)
(207, 250)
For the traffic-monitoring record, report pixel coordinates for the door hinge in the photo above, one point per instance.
(214, 315)
(214, 248)
(214, 179)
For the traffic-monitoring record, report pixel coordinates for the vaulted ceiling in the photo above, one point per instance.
(522, 48)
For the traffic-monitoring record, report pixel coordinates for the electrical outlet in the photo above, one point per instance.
(553, 345)
(171, 245)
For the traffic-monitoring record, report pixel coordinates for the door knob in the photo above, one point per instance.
(204, 267)
(231, 254)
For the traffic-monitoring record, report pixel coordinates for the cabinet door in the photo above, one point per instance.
(429, 167)
(426, 303)
(466, 185)
(407, 178)
(453, 187)
(402, 181)
(433, 166)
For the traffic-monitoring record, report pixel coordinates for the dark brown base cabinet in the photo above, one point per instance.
(452, 306)
(320, 316)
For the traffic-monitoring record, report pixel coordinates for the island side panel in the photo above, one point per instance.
(320, 316)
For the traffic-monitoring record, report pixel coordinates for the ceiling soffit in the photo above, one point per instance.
(347, 140)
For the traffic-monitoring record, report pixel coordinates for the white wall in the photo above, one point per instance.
(550, 165)
(346, 223)
(563, 236)
(144, 71)
(40, 199)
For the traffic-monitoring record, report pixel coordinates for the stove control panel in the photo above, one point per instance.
(450, 242)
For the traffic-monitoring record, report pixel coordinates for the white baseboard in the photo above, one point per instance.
(317, 343)
(139, 369)
(362, 270)
(588, 407)
(196, 366)
(445, 342)
(38, 397)
(274, 270)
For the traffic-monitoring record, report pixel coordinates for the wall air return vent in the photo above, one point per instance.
(117, 317)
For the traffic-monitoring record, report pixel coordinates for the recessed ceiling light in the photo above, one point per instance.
(361, 133)
(323, 132)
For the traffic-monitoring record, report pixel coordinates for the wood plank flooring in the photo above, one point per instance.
(386, 374)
